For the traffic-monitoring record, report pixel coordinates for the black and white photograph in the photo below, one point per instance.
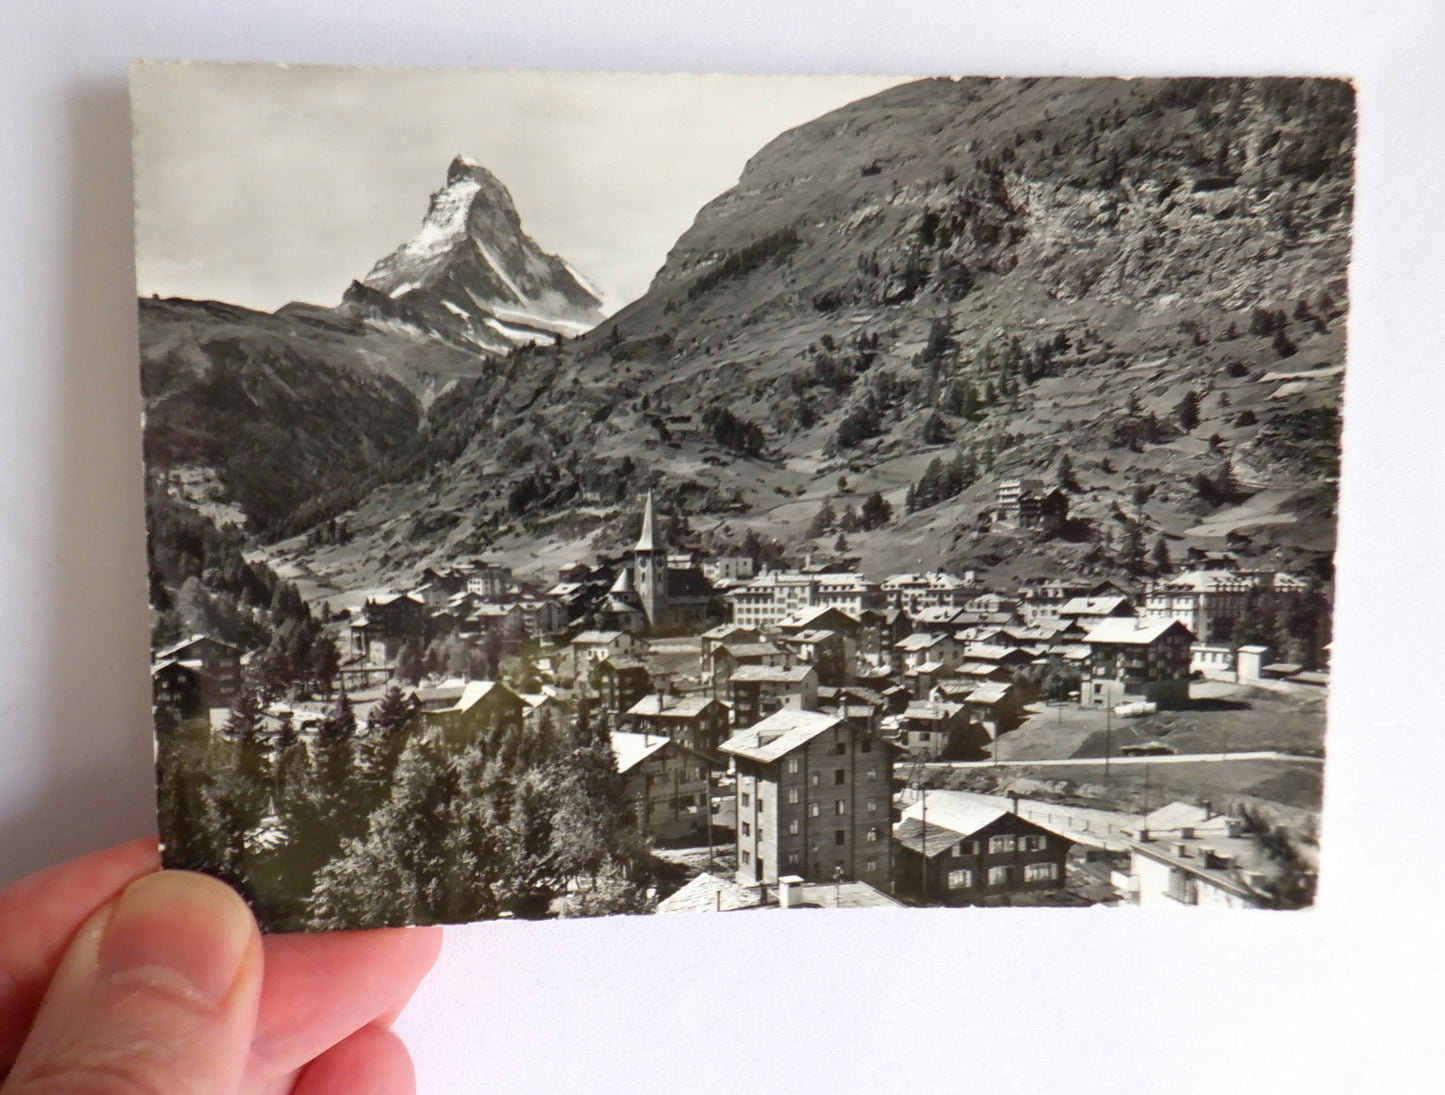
(574, 495)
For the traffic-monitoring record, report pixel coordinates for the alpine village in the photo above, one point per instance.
(950, 523)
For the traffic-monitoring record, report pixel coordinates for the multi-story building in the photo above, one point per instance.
(1027, 503)
(217, 662)
(1136, 659)
(955, 848)
(666, 783)
(698, 722)
(1187, 855)
(935, 589)
(813, 799)
(756, 691)
(1214, 604)
(775, 595)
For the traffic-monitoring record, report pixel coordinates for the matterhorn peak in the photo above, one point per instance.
(472, 277)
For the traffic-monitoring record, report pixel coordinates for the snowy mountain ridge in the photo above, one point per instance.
(472, 277)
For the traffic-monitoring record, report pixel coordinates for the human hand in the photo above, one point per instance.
(117, 980)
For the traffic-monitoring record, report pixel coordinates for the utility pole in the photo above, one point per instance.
(1108, 728)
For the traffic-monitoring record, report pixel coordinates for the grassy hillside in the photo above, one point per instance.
(994, 273)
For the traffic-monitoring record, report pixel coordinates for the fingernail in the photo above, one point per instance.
(180, 931)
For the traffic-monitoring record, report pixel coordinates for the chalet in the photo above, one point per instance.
(593, 646)
(923, 647)
(879, 629)
(997, 705)
(698, 722)
(396, 615)
(1136, 659)
(1026, 503)
(936, 728)
(179, 686)
(542, 616)
(484, 707)
(956, 850)
(620, 681)
(729, 657)
(824, 650)
(757, 691)
(714, 637)
(666, 784)
(217, 662)
(813, 799)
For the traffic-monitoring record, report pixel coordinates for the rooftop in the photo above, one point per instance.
(779, 734)
(671, 707)
(773, 673)
(1131, 631)
(632, 749)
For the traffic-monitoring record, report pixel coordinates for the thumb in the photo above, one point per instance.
(157, 993)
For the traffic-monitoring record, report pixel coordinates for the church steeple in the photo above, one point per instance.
(649, 570)
(648, 540)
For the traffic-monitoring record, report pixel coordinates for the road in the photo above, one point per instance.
(1096, 762)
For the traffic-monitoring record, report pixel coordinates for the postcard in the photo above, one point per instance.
(587, 494)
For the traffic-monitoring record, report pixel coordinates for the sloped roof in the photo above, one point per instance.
(1091, 606)
(585, 638)
(959, 811)
(779, 734)
(709, 893)
(1130, 630)
(925, 839)
(931, 711)
(632, 749)
(473, 692)
(671, 707)
(773, 673)
(648, 540)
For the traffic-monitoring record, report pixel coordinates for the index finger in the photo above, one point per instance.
(38, 917)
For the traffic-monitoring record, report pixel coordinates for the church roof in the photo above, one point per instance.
(624, 582)
(648, 541)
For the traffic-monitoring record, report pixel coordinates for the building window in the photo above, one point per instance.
(812, 809)
(747, 829)
(1033, 843)
(1000, 844)
(866, 746)
(872, 805)
(840, 777)
(747, 801)
(840, 748)
(924, 735)
(840, 806)
(1000, 876)
(793, 827)
(840, 836)
(794, 859)
(793, 765)
(872, 773)
(870, 866)
(873, 835)
(813, 779)
(1041, 872)
(745, 856)
(792, 796)
(960, 880)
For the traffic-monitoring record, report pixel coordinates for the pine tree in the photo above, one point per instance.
(1186, 412)
(1066, 478)
(876, 511)
(824, 521)
(1159, 557)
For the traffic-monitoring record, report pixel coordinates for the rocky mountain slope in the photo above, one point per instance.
(280, 421)
(472, 277)
(993, 274)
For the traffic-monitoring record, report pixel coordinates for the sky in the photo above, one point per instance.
(262, 184)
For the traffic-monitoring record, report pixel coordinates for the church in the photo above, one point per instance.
(672, 593)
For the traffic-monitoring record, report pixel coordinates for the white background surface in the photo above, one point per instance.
(1341, 998)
